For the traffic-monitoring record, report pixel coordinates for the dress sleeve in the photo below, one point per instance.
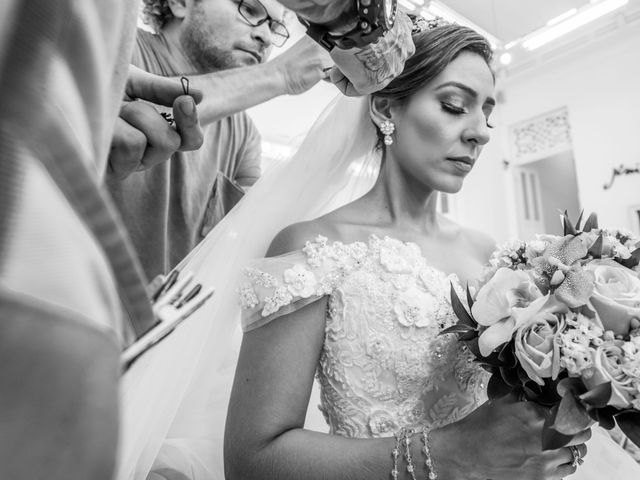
(275, 286)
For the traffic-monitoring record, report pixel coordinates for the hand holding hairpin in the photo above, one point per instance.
(184, 81)
(173, 301)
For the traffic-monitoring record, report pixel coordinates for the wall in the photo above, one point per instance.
(600, 85)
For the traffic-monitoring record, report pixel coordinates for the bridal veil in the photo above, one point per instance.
(174, 398)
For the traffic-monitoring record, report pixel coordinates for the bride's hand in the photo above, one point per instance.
(502, 440)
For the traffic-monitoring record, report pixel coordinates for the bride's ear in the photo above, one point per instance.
(380, 109)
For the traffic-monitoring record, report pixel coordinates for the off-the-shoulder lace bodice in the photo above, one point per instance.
(383, 365)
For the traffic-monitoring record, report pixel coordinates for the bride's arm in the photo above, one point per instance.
(264, 435)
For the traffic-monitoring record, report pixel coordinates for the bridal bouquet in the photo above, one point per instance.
(556, 320)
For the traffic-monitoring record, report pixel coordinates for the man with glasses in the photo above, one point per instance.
(222, 47)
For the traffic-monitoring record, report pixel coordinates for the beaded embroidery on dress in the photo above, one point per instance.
(383, 365)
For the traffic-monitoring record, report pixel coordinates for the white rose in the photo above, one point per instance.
(616, 295)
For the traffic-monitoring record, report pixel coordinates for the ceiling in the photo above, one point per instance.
(508, 20)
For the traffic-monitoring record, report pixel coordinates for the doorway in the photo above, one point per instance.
(544, 188)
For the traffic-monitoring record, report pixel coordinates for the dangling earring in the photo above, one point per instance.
(387, 128)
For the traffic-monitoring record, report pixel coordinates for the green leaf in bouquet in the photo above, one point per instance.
(494, 357)
(597, 397)
(470, 297)
(497, 388)
(629, 423)
(586, 311)
(591, 223)
(460, 311)
(604, 416)
(595, 250)
(532, 390)
(541, 394)
(569, 229)
(570, 385)
(458, 329)
(511, 377)
(473, 346)
(632, 261)
(468, 335)
(579, 220)
(551, 438)
(507, 354)
(572, 417)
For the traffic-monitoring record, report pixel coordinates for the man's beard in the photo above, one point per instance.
(197, 41)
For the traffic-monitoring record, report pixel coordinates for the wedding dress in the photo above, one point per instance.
(383, 365)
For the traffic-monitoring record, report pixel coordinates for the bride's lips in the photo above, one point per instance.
(464, 163)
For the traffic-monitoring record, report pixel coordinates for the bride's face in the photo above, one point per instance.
(442, 129)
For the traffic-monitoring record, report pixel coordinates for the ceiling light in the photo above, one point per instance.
(407, 5)
(505, 58)
(584, 16)
(439, 10)
(562, 17)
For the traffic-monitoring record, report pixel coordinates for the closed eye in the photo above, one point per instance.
(453, 109)
(456, 110)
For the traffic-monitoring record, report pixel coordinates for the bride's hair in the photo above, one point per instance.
(435, 49)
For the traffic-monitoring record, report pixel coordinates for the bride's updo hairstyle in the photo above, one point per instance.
(437, 45)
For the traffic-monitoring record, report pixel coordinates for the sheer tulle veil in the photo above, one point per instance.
(174, 399)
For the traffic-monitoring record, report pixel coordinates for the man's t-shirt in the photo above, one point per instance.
(170, 207)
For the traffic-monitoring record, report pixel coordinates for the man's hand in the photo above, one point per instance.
(142, 137)
(302, 66)
(367, 70)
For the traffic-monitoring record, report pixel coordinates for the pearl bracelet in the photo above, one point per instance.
(403, 439)
(428, 462)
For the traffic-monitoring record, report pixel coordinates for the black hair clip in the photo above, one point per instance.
(184, 81)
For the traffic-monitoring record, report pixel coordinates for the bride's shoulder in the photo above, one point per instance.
(295, 236)
(480, 244)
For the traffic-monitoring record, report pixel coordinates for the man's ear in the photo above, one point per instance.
(381, 109)
(178, 8)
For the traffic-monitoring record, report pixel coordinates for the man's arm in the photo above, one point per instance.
(230, 91)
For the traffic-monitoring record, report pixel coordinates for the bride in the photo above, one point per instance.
(357, 295)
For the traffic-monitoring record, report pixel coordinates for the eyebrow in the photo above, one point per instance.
(490, 100)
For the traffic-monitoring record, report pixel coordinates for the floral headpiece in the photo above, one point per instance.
(420, 24)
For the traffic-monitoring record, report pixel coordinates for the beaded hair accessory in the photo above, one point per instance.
(420, 24)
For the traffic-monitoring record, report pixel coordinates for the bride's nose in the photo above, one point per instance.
(477, 131)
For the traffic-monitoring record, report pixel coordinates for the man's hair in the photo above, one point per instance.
(156, 13)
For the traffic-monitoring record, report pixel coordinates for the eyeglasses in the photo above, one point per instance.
(255, 14)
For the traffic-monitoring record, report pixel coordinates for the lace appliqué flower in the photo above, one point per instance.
(300, 281)
(315, 250)
(394, 257)
(279, 299)
(260, 278)
(248, 297)
(382, 423)
(413, 308)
